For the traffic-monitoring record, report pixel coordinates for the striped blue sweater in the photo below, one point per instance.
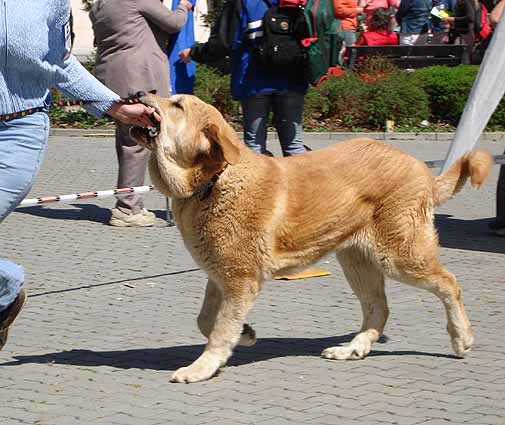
(34, 56)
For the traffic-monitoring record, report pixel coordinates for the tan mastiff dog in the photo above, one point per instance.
(246, 217)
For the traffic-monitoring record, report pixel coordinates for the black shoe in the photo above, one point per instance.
(497, 227)
(8, 316)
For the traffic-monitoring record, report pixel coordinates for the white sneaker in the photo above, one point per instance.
(122, 217)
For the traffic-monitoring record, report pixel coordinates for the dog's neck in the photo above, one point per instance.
(204, 191)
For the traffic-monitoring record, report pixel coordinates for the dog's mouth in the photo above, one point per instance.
(145, 136)
(145, 132)
(148, 136)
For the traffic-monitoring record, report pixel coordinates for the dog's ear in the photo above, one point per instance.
(218, 131)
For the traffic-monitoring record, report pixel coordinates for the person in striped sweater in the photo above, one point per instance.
(31, 63)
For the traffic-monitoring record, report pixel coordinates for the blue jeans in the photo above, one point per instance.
(349, 39)
(22, 146)
(287, 111)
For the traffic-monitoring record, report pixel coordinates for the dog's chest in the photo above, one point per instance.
(199, 229)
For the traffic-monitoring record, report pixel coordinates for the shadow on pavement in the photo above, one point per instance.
(88, 212)
(471, 235)
(171, 358)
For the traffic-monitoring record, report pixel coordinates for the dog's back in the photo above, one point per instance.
(340, 191)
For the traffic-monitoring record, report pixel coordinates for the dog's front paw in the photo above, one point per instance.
(248, 336)
(349, 352)
(200, 370)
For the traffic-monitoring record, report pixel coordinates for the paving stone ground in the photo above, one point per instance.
(112, 312)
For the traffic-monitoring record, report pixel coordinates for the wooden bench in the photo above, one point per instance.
(410, 56)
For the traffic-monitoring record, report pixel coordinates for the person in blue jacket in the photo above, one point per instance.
(260, 91)
(31, 62)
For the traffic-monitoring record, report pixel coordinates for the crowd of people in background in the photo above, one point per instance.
(417, 22)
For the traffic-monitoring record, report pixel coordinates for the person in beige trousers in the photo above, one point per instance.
(131, 37)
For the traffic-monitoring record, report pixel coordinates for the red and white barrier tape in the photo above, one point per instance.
(85, 195)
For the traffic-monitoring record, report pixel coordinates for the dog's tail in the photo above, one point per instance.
(475, 165)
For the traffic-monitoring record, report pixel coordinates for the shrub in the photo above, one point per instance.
(396, 98)
(74, 116)
(213, 87)
(448, 88)
(355, 103)
(337, 101)
(374, 67)
(61, 117)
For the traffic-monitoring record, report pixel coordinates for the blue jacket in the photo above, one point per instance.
(246, 79)
(414, 16)
(35, 56)
(240, 24)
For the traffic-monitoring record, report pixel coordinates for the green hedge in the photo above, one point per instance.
(448, 89)
(355, 104)
(360, 101)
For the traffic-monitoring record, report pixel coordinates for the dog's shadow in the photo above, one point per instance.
(471, 235)
(172, 358)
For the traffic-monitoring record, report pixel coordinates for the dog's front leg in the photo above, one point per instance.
(208, 313)
(237, 299)
(210, 307)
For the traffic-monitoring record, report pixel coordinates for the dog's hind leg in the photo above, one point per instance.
(414, 260)
(436, 279)
(210, 307)
(367, 282)
(237, 299)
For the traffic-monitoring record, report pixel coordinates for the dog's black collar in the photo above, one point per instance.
(204, 191)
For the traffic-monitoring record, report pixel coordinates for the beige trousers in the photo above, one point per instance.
(132, 159)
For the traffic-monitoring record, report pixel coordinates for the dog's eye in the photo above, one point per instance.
(178, 106)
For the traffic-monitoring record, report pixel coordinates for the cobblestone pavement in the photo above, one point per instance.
(112, 312)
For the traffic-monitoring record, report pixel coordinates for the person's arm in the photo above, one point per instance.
(164, 18)
(466, 20)
(221, 37)
(496, 13)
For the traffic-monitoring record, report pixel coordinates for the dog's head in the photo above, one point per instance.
(190, 146)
